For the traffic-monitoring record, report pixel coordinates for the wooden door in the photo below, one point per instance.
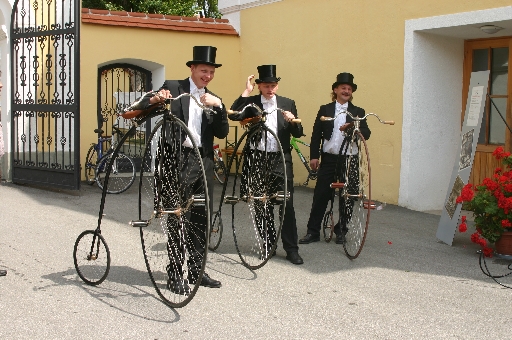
(493, 55)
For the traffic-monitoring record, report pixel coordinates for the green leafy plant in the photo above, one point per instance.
(491, 204)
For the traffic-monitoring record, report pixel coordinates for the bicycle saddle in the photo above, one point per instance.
(137, 109)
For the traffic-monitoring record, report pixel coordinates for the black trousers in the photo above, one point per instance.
(332, 167)
(269, 168)
(182, 178)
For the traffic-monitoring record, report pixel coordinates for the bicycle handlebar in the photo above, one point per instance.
(262, 112)
(134, 110)
(389, 122)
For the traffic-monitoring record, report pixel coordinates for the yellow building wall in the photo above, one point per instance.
(312, 41)
(102, 44)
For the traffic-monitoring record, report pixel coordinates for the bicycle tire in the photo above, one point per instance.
(91, 257)
(90, 165)
(171, 242)
(122, 174)
(219, 170)
(355, 198)
(259, 177)
(328, 226)
(216, 231)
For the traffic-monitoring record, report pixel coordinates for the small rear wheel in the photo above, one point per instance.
(90, 165)
(216, 232)
(328, 226)
(219, 170)
(92, 257)
(355, 199)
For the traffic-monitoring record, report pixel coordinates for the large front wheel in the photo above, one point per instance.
(257, 195)
(355, 197)
(174, 213)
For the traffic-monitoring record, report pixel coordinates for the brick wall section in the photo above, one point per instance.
(158, 21)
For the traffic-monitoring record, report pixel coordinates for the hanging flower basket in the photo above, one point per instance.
(503, 245)
(491, 204)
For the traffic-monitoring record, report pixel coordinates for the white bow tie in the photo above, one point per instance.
(341, 107)
(267, 101)
(198, 92)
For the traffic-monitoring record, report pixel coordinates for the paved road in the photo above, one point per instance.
(405, 284)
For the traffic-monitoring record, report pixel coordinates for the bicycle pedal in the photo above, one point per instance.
(139, 223)
(231, 200)
(370, 205)
(281, 196)
(337, 185)
(199, 200)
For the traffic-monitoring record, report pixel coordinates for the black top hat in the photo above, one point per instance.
(204, 55)
(345, 78)
(267, 74)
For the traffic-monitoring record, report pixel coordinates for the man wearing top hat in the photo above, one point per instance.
(281, 123)
(203, 127)
(326, 144)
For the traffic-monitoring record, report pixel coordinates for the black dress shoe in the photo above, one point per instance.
(178, 287)
(207, 281)
(340, 238)
(3, 272)
(309, 238)
(294, 258)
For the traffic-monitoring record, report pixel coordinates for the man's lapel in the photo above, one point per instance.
(257, 101)
(185, 101)
(332, 110)
(280, 117)
(352, 110)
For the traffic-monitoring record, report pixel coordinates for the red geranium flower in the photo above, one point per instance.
(498, 153)
(487, 252)
(490, 203)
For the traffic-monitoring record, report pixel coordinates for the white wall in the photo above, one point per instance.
(5, 24)
(230, 9)
(431, 119)
(433, 65)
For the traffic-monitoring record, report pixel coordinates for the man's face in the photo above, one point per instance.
(343, 93)
(202, 74)
(268, 90)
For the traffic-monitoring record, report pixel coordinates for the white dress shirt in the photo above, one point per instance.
(270, 105)
(195, 116)
(333, 145)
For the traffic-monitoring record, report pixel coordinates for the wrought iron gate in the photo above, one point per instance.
(119, 85)
(45, 86)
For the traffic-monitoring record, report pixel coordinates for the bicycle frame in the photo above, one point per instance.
(294, 144)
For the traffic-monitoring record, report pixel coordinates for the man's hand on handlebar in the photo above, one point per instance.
(206, 99)
(346, 126)
(288, 116)
(160, 97)
(210, 100)
(314, 163)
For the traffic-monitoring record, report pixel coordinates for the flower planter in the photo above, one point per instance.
(504, 245)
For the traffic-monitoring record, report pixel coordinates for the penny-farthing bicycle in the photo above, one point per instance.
(254, 196)
(173, 210)
(353, 186)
